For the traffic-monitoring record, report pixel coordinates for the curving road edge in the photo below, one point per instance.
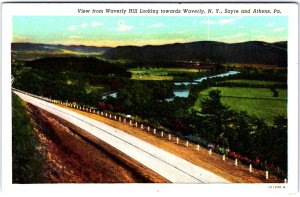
(171, 167)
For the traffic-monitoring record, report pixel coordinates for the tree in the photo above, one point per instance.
(216, 117)
(212, 106)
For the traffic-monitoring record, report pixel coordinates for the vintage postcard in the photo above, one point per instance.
(192, 95)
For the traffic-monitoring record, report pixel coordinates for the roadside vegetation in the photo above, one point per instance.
(26, 160)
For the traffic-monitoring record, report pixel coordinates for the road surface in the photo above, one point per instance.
(171, 167)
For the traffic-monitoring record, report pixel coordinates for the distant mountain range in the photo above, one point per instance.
(52, 47)
(253, 52)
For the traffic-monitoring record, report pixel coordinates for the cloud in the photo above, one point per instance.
(123, 27)
(262, 37)
(238, 35)
(208, 22)
(271, 24)
(72, 28)
(74, 37)
(96, 24)
(21, 39)
(223, 21)
(156, 25)
(83, 25)
(50, 20)
(279, 29)
(226, 21)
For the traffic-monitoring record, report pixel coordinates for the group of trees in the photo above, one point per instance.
(264, 145)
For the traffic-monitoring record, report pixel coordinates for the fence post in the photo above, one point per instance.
(162, 134)
(115, 117)
(136, 124)
(124, 120)
(235, 162)
(148, 128)
(250, 168)
(198, 147)
(110, 116)
(120, 119)
(154, 131)
(223, 158)
(285, 181)
(130, 122)
(98, 112)
(142, 126)
(187, 144)
(267, 174)
(177, 140)
(101, 113)
(209, 152)
(169, 136)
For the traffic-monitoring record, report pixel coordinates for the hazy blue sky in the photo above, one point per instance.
(144, 30)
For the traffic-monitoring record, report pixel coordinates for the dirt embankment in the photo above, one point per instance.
(73, 156)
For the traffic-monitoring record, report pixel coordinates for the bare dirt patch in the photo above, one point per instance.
(73, 156)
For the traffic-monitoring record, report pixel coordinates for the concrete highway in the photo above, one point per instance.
(173, 168)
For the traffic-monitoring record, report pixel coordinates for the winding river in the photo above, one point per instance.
(185, 92)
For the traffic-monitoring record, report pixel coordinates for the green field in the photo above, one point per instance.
(96, 89)
(256, 101)
(159, 73)
(253, 82)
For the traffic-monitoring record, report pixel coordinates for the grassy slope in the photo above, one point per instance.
(27, 162)
(256, 101)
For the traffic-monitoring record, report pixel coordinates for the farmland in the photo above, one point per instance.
(162, 73)
(255, 101)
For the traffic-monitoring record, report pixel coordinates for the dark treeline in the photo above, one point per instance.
(78, 64)
(266, 75)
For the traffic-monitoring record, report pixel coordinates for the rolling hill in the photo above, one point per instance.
(53, 47)
(253, 52)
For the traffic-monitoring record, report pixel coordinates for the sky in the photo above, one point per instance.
(115, 31)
